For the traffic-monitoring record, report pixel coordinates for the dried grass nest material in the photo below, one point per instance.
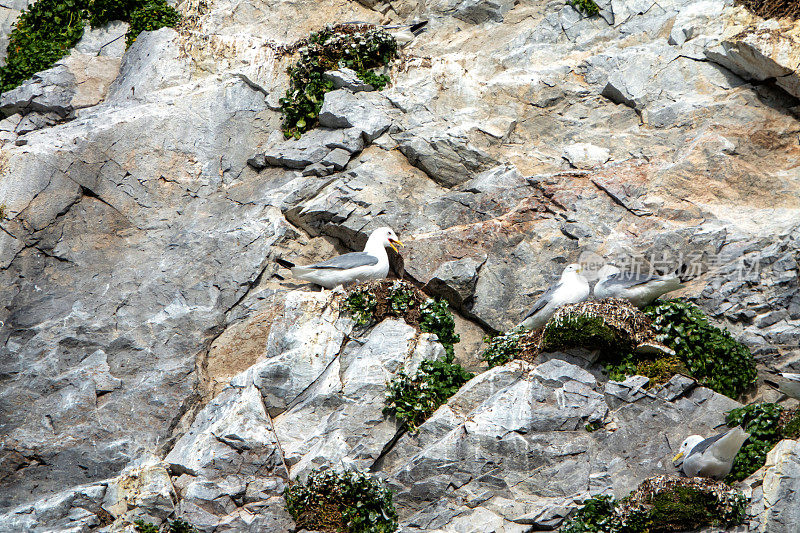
(773, 8)
(631, 328)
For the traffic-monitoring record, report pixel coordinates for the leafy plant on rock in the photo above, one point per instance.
(412, 399)
(341, 501)
(586, 6)
(361, 47)
(762, 421)
(374, 301)
(503, 348)
(596, 515)
(48, 29)
(175, 526)
(150, 16)
(711, 355)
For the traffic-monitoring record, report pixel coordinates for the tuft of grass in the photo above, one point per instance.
(341, 501)
(47, 30)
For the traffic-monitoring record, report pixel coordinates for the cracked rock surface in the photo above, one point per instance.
(156, 362)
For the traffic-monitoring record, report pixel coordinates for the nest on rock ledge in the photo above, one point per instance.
(612, 324)
(683, 504)
(391, 298)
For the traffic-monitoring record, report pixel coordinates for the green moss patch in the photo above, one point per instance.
(47, 30)
(580, 330)
(360, 47)
(331, 501)
(659, 505)
(374, 301)
(412, 399)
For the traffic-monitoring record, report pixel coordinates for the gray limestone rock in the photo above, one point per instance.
(106, 41)
(317, 431)
(445, 157)
(364, 111)
(152, 63)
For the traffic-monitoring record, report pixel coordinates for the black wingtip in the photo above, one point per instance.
(418, 28)
(284, 263)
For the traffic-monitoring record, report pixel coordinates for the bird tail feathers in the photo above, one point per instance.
(726, 448)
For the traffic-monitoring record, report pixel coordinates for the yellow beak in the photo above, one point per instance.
(392, 243)
(680, 454)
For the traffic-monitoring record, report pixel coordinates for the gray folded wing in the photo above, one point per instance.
(543, 300)
(703, 445)
(347, 261)
(631, 280)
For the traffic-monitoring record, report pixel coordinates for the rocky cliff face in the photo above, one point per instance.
(154, 360)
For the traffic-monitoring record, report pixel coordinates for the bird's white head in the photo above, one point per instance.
(686, 447)
(572, 270)
(606, 271)
(383, 237)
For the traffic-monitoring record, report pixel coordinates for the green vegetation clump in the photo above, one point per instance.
(711, 355)
(150, 16)
(361, 47)
(48, 29)
(373, 301)
(436, 317)
(762, 421)
(660, 505)
(586, 6)
(582, 330)
(361, 304)
(412, 399)
(176, 526)
(503, 348)
(597, 515)
(790, 426)
(341, 501)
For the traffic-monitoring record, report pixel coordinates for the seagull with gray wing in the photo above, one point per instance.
(372, 263)
(572, 288)
(711, 457)
(638, 289)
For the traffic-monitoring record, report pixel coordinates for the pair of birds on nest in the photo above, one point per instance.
(373, 263)
(698, 456)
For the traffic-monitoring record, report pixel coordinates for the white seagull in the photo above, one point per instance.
(711, 457)
(372, 263)
(572, 288)
(638, 289)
